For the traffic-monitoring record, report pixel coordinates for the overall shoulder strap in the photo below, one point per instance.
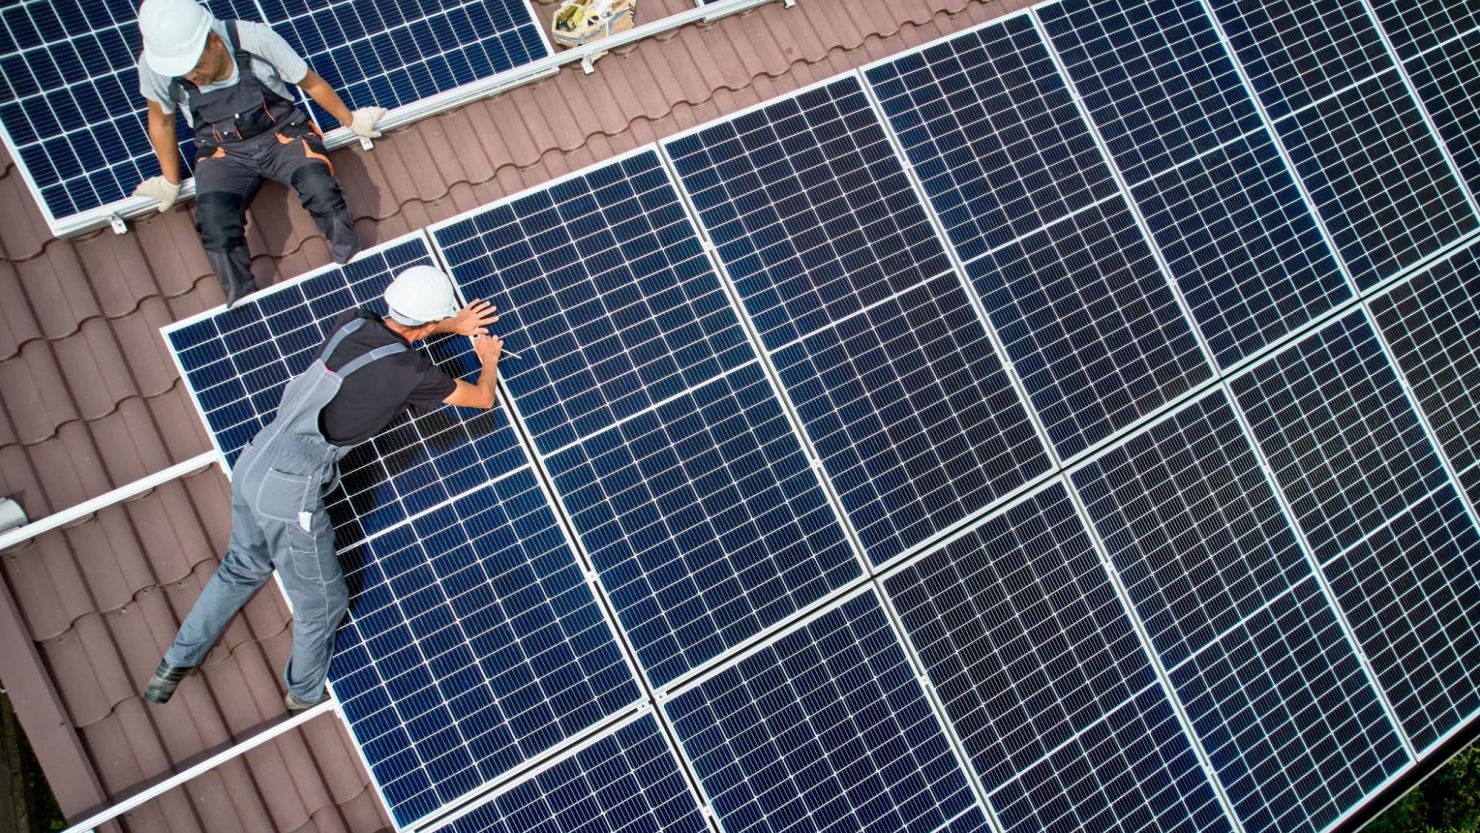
(378, 353)
(339, 336)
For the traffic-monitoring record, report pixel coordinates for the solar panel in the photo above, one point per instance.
(1415, 26)
(627, 781)
(1090, 324)
(670, 450)
(473, 644)
(1430, 321)
(1444, 81)
(1346, 448)
(825, 728)
(990, 128)
(1045, 680)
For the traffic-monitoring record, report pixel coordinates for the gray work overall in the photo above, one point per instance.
(278, 520)
(246, 132)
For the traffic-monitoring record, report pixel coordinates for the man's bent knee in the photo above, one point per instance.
(220, 218)
(318, 190)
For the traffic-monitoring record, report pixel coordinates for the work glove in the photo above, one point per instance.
(362, 121)
(159, 188)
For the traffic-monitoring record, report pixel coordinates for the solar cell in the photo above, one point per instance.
(1090, 324)
(1444, 81)
(1154, 77)
(1244, 248)
(810, 209)
(1346, 448)
(1292, 725)
(1430, 322)
(1411, 592)
(626, 782)
(823, 729)
(705, 520)
(1192, 527)
(1415, 26)
(992, 132)
(236, 363)
(1377, 177)
(473, 644)
(607, 295)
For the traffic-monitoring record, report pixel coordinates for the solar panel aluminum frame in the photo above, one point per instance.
(828, 600)
(116, 214)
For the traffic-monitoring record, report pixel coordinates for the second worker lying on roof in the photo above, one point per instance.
(365, 377)
(232, 78)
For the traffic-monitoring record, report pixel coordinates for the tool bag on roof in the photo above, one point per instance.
(579, 22)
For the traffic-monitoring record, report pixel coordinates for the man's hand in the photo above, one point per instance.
(487, 348)
(159, 188)
(362, 121)
(471, 320)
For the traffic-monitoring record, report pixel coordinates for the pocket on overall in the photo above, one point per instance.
(283, 496)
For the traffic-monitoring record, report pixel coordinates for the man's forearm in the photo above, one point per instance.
(323, 95)
(162, 137)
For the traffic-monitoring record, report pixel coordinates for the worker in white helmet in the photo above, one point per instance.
(231, 77)
(366, 375)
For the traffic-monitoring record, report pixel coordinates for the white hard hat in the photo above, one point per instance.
(174, 35)
(421, 295)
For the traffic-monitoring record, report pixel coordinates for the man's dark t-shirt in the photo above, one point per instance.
(373, 396)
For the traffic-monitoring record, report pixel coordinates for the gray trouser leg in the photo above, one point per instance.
(303, 164)
(311, 575)
(225, 186)
(247, 565)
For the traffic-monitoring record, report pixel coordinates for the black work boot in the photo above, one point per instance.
(166, 677)
(236, 291)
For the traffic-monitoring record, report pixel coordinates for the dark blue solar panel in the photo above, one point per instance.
(1430, 322)
(1415, 26)
(1345, 445)
(1022, 634)
(991, 130)
(1154, 77)
(626, 782)
(913, 415)
(826, 729)
(236, 363)
(390, 53)
(473, 644)
(1090, 324)
(1377, 177)
(1193, 527)
(811, 209)
(608, 297)
(1445, 81)
(971, 821)
(1246, 251)
(1289, 719)
(705, 520)
(1297, 52)
(1411, 593)
(1133, 771)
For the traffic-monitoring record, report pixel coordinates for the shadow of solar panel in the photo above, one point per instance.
(1155, 78)
(1345, 446)
(473, 644)
(390, 53)
(1430, 321)
(1133, 771)
(993, 134)
(70, 105)
(1289, 719)
(810, 208)
(913, 415)
(1297, 53)
(1445, 81)
(1377, 177)
(1090, 324)
(236, 363)
(705, 520)
(607, 295)
(826, 728)
(1192, 526)
(626, 782)
(1027, 646)
(1416, 26)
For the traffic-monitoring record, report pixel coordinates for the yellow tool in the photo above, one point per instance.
(579, 22)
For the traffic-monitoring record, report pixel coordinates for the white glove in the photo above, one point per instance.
(159, 188)
(362, 121)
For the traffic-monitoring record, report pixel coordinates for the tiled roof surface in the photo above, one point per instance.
(90, 401)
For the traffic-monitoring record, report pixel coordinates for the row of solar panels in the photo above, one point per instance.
(708, 455)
